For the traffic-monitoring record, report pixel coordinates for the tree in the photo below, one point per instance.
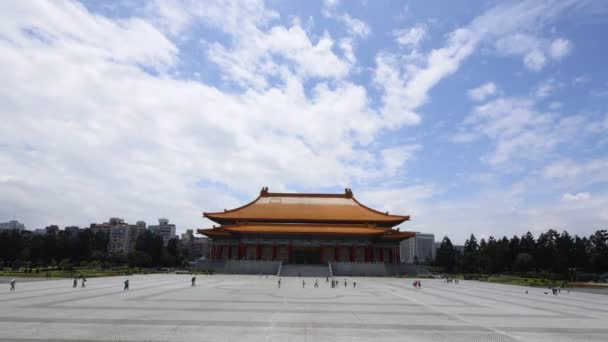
(470, 262)
(581, 252)
(523, 263)
(599, 251)
(446, 255)
(565, 253)
(152, 245)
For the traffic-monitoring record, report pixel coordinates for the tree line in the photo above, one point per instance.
(559, 254)
(24, 249)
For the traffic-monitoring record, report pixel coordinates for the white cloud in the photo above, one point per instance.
(329, 6)
(408, 200)
(555, 105)
(534, 49)
(355, 26)
(545, 88)
(106, 128)
(483, 91)
(406, 87)
(519, 130)
(582, 79)
(411, 37)
(394, 158)
(576, 172)
(560, 48)
(535, 60)
(580, 196)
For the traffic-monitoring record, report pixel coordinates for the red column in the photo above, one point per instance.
(274, 252)
(221, 254)
(336, 253)
(371, 254)
(258, 252)
(321, 254)
(352, 253)
(229, 252)
(212, 253)
(381, 254)
(289, 253)
(398, 254)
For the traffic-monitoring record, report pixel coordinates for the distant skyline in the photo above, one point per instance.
(489, 118)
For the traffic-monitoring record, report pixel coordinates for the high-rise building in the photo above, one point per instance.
(420, 248)
(122, 236)
(165, 229)
(14, 224)
(196, 246)
(72, 230)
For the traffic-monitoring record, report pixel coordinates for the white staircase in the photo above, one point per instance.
(293, 270)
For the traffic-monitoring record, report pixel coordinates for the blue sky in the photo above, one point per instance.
(488, 118)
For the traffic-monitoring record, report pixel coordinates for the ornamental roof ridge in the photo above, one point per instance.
(313, 207)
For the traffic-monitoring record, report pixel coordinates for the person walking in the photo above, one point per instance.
(83, 282)
(316, 283)
(126, 288)
(354, 284)
(193, 282)
(13, 281)
(279, 283)
(345, 283)
(303, 283)
(75, 283)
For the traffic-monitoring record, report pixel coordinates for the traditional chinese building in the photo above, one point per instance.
(306, 229)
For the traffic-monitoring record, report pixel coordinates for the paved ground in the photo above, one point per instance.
(250, 308)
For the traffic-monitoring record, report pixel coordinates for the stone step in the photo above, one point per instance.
(293, 270)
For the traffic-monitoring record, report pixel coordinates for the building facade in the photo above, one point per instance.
(306, 229)
(420, 248)
(196, 247)
(165, 229)
(12, 225)
(122, 236)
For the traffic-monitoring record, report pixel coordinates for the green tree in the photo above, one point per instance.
(470, 258)
(599, 251)
(446, 255)
(523, 262)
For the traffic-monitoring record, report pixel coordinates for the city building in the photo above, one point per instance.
(458, 248)
(420, 248)
(306, 229)
(122, 236)
(72, 230)
(14, 224)
(196, 247)
(52, 229)
(164, 229)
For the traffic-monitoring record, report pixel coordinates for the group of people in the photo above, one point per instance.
(417, 284)
(75, 282)
(334, 283)
(451, 280)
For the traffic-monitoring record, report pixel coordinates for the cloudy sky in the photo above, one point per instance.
(489, 118)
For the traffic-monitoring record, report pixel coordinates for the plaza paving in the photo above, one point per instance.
(252, 308)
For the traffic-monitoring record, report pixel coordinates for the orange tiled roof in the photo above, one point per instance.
(293, 207)
(322, 229)
(306, 229)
